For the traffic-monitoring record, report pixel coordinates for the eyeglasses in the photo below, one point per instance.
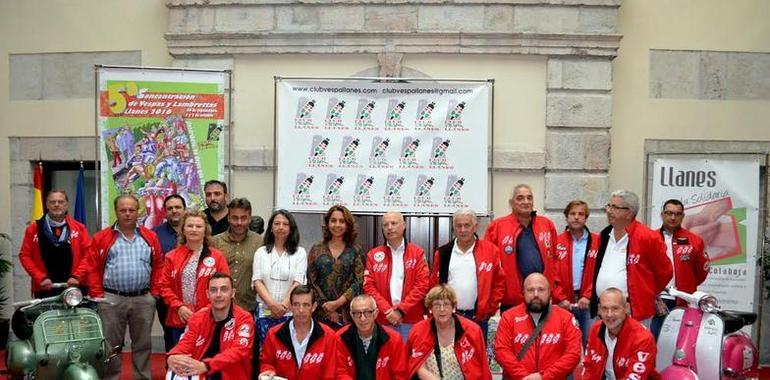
(673, 213)
(442, 305)
(363, 313)
(610, 206)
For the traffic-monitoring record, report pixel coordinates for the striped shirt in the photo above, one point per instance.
(129, 264)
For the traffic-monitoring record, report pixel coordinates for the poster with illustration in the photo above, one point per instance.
(721, 205)
(160, 132)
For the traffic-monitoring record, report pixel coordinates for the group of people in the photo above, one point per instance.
(235, 305)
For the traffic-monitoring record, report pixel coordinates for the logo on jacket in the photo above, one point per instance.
(244, 331)
(315, 358)
(379, 256)
(382, 362)
(209, 261)
(200, 341)
(283, 355)
(485, 267)
(467, 355)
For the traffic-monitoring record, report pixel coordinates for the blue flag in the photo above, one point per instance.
(80, 198)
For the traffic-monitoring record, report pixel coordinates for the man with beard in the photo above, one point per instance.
(618, 347)
(216, 201)
(552, 331)
(55, 248)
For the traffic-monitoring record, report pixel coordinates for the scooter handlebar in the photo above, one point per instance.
(693, 300)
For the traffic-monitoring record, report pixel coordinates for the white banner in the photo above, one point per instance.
(413, 147)
(721, 200)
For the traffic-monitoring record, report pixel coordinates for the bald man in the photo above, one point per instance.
(618, 347)
(397, 277)
(536, 340)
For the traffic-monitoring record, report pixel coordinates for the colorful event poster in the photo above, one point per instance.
(721, 205)
(160, 133)
(420, 147)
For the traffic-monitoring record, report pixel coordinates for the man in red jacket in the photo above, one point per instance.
(125, 267)
(528, 243)
(472, 268)
(631, 257)
(397, 276)
(300, 348)
(618, 347)
(688, 254)
(366, 350)
(576, 249)
(537, 340)
(218, 340)
(55, 248)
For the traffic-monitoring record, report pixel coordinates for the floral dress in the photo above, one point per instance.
(331, 278)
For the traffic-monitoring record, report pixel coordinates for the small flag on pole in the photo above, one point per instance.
(37, 197)
(80, 198)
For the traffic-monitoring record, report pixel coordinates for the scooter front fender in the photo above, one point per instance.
(80, 371)
(676, 372)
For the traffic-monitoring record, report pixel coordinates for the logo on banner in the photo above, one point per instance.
(364, 115)
(422, 196)
(408, 158)
(348, 157)
(334, 114)
(379, 150)
(392, 196)
(363, 196)
(332, 193)
(454, 117)
(304, 117)
(424, 119)
(302, 189)
(317, 156)
(394, 121)
(438, 155)
(453, 195)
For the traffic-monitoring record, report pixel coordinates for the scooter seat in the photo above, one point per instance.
(735, 320)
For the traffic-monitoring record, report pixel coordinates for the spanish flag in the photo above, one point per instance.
(37, 201)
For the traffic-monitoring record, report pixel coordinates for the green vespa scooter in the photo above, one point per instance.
(66, 340)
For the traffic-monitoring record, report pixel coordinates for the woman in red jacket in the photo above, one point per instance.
(461, 350)
(186, 272)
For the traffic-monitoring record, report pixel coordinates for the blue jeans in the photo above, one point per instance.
(403, 329)
(657, 321)
(583, 318)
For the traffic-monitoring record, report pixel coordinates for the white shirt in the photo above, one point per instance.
(670, 253)
(612, 273)
(300, 347)
(462, 277)
(397, 273)
(278, 272)
(609, 369)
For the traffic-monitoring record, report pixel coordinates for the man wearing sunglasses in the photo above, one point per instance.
(365, 349)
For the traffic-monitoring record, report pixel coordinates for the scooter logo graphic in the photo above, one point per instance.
(363, 196)
(422, 193)
(302, 190)
(304, 116)
(454, 117)
(333, 118)
(424, 119)
(392, 196)
(363, 119)
(453, 193)
(348, 157)
(393, 120)
(317, 155)
(377, 156)
(438, 155)
(408, 157)
(332, 190)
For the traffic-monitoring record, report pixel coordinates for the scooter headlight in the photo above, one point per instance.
(708, 304)
(73, 297)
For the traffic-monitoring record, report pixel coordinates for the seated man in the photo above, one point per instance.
(300, 348)
(365, 349)
(536, 340)
(618, 347)
(229, 355)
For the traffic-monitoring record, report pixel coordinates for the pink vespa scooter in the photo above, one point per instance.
(704, 342)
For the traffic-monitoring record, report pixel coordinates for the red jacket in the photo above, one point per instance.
(503, 232)
(235, 342)
(391, 356)
(210, 262)
(563, 261)
(489, 275)
(469, 346)
(318, 363)
(648, 269)
(634, 356)
(691, 262)
(103, 241)
(554, 355)
(416, 277)
(32, 260)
